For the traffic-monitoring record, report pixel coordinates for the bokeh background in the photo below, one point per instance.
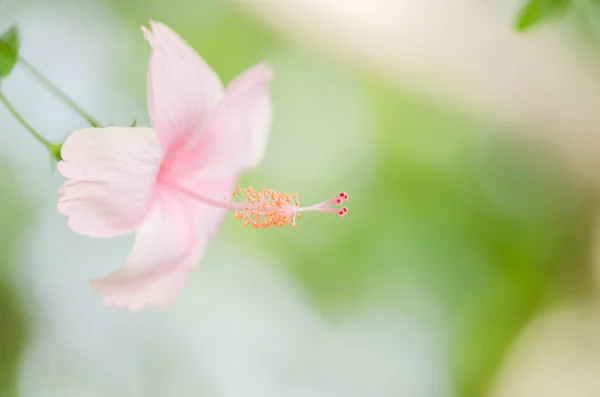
(467, 265)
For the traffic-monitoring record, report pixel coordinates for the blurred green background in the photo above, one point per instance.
(462, 229)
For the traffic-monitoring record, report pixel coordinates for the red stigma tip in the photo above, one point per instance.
(341, 212)
(342, 194)
(339, 201)
(345, 209)
(345, 196)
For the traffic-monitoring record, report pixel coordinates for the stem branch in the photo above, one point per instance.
(59, 93)
(54, 149)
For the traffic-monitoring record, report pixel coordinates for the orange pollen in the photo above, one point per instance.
(265, 208)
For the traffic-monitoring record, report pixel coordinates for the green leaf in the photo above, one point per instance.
(134, 123)
(538, 11)
(9, 51)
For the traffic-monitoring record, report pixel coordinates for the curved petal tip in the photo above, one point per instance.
(139, 294)
(265, 71)
(147, 35)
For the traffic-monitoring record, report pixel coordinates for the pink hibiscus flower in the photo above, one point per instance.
(168, 183)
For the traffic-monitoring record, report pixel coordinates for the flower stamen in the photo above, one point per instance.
(268, 207)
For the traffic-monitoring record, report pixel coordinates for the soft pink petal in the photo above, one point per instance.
(111, 174)
(167, 246)
(207, 219)
(161, 258)
(236, 139)
(183, 90)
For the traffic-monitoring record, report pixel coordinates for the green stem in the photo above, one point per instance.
(59, 93)
(54, 149)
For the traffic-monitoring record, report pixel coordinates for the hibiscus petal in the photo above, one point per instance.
(237, 137)
(111, 174)
(167, 245)
(161, 258)
(183, 90)
(207, 219)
